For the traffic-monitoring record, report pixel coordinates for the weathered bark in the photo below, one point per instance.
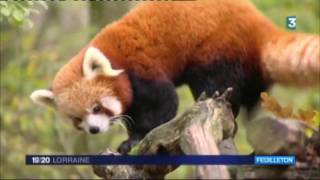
(200, 130)
(277, 136)
(208, 128)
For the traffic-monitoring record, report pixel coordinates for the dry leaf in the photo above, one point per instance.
(271, 104)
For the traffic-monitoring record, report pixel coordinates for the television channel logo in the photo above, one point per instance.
(291, 22)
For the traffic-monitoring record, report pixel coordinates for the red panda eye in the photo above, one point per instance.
(96, 109)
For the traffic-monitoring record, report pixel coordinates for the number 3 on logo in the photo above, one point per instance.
(291, 22)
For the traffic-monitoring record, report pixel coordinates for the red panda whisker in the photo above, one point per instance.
(126, 124)
(127, 120)
(121, 123)
(120, 117)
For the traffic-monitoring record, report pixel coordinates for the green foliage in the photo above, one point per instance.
(17, 12)
(306, 11)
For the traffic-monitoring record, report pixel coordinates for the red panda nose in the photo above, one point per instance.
(94, 130)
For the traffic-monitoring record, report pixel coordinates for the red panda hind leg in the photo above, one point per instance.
(220, 75)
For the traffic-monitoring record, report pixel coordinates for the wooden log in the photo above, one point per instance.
(202, 129)
(278, 136)
(208, 128)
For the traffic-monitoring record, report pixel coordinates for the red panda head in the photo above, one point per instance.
(87, 91)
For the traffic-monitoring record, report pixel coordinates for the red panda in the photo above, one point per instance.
(132, 66)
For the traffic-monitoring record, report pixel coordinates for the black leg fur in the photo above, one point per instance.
(154, 103)
(246, 85)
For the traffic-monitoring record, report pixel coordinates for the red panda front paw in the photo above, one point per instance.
(126, 146)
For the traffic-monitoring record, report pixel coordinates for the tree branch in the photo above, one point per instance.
(208, 127)
(200, 130)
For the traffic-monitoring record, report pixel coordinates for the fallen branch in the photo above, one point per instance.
(206, 128)
(278, 136)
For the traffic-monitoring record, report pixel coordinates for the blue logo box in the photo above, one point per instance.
(274, 160)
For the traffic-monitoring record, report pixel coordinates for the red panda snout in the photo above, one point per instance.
(95, 123)
(100, 116)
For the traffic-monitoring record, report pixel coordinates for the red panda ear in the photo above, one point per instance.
(43, 97)
(95, 63)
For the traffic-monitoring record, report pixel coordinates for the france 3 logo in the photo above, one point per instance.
(291, 22)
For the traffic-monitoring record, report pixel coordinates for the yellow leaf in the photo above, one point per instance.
(272, 105)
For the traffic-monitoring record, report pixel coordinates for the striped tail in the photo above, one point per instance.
(293, 59)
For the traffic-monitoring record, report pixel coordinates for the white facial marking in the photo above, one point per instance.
(100, 121)
(112, 103)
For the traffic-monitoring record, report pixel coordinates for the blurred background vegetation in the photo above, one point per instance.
(37, 38)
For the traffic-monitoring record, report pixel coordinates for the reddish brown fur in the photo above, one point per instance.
(158, 40)
(154, 43)
(292, 59)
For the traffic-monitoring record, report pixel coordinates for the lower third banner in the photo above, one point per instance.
(158, 160)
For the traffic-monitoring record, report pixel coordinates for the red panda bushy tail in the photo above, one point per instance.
(293, 59)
